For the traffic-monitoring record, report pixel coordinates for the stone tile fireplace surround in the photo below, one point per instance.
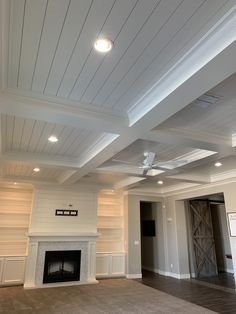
(39, 243)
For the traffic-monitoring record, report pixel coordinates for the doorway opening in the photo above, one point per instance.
(151, 235)
(209, 245)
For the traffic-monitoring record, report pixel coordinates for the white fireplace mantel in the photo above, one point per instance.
(40, 242)
(69, 236)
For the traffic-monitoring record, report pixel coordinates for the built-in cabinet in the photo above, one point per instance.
(12, 270)
(15, 209)
(110, 244)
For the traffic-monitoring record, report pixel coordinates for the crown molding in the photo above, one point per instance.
(143, 193)
(217, 39)
(40, 160)
(59, 111)
(223, 176)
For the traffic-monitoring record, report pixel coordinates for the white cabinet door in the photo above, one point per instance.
(13, 271)
(118, 264)
(102, 265)
(110, 265)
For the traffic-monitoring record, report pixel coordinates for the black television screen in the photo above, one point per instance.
(148, 228)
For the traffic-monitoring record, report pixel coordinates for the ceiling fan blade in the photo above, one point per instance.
(145, 171)
(157, 167)
(149, 158)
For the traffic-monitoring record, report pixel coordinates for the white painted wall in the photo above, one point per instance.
(153, 247)
(221, 236)
(47, 199)
(132, 232)
(177, 249)
(174, 227)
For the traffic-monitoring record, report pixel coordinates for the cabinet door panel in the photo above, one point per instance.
(118, 265)
(13, 271)
(102, 265)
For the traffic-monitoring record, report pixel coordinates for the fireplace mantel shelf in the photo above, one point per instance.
(63, 237)
(61, 234)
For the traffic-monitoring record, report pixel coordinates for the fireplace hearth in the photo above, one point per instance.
(62, 266)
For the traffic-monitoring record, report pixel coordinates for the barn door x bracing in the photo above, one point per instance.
(203, 239)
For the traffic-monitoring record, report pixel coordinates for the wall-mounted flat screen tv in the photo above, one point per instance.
(148, 228)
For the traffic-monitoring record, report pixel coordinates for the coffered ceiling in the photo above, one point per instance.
(107, 110)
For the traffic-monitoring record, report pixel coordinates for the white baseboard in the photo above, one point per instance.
(228, 270)
(110, 275)
(60, 284)
(166, 273)
(133, 276)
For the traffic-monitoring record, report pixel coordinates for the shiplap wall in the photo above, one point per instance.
(15, 209)
(46, 200)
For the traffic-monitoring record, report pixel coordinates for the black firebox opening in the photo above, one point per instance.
(61, 266)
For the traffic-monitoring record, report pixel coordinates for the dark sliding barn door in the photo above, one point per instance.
(203, 239)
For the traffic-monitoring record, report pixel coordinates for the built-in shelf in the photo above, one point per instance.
(16, 227)
(110, 224)
(13, 213)
(15, 208)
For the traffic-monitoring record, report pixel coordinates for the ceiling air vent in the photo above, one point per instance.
(206, 100)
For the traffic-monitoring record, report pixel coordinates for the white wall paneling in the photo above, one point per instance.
(46, 200)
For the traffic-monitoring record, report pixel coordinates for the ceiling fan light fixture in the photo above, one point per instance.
(218, 164)
(36, 169)
(160, 182)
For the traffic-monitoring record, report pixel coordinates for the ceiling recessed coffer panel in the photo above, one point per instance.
(51, 44)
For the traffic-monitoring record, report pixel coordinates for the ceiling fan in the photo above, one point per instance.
(148, 163)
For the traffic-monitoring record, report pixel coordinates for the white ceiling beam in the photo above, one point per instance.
(128, 182)
(215, 71)
(194, 177)
(40, 160)
(216, 40)
(188, 138)
(64, 114)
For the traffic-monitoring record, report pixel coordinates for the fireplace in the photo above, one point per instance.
(62, 266)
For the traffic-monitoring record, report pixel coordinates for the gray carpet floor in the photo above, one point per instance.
(109, 296)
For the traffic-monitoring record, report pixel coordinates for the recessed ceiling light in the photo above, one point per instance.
(103, 45)
(53, 139)
(36, 169)
(160, 182)
(218, 164)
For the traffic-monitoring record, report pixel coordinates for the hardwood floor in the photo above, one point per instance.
(214, 299)
(222, 280)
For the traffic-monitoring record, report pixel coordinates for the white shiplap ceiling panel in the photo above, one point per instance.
(92, 28)
(112, 28)
(34, 14)
(74, 23)
(54, 20)
(161, 52)
(18, 170)
(126, 44)
(214, 119)
(51, 46)
(26, 135)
